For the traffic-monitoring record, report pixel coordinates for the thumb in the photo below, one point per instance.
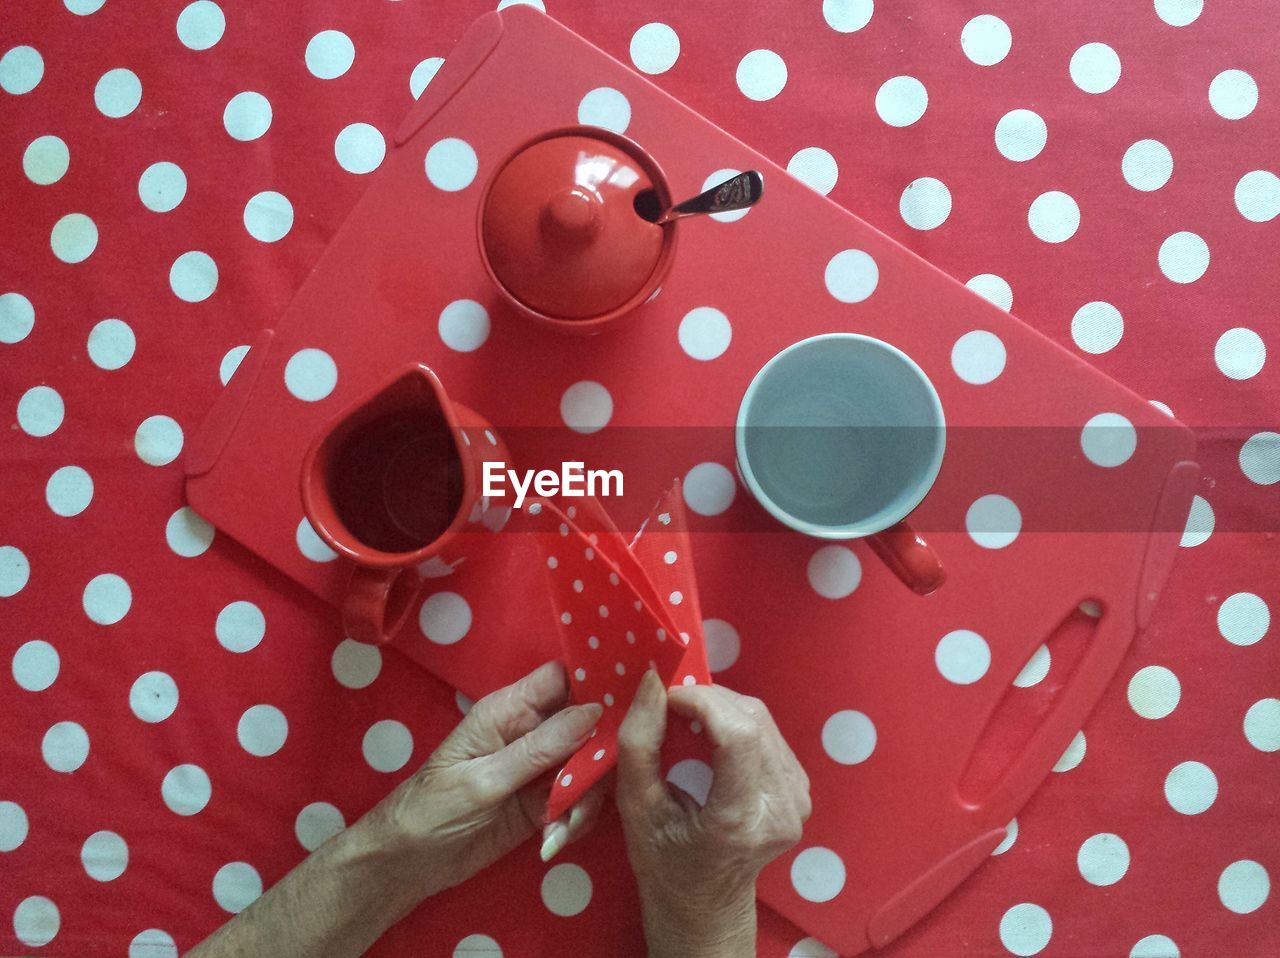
(640, 748)
(542, 749)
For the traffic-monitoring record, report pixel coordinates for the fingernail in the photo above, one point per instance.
(576, 816)
(554, 838)
(650, 687)
(586, 716)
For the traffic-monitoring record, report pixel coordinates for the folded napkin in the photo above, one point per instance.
(622, 608)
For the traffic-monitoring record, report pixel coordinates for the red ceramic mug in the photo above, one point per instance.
(394, 484)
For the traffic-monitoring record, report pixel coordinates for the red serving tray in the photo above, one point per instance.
(931, 801)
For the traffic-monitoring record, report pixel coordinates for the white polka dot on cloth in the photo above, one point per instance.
(993, 521)
(118, 93)
(1097, 327)
(111, 344)
(451, 164)
(82, 8)
(153, 697)
(566, 890)
(586, 407)
(709, 488)
(962, 657)
(817, 874)
(193, 277)
(1257, 196)
(847, 16)
(201, 25)
(186, 790)
(46, 159)
(262, 730)
(355, 664)
(1243, 618)
(606, 108)
(1147, 165)
(240, 626)
(1095, 68)
(40, 411)
(316, 824)
(1244, 886)
(815, 168)
(310, 374)
(1010, 836)
(901, 100)
(993, 288)
(464, 325)
(35, 665)
(1108, 440)
(107, 599)
(1200, 523)
(704, 333)
(231, 362)
(74, 238)
(247, 116)
(978, 357)
(268, 216)
(15, 571)
(1035, 669)
(422, 75)
(693, 777)
(387, 745)
(1154, 692)
(1155, 946)
(1073, 755)
(834, 571)
(21, 69)
(13, 826)
(723, 644)
(715, 179)
(1262, 725)
(849, 737)
(158, 440)
(17, 318)
(1233, 94)
(105, 856)
(536, 4)
(236, 886)
(187, 533)
(1259, 458)
(65, 746)
(445, 618)
(153, 943)
(761, 75)
(925, 204)
(1176, 13)
(1103, 859)
(1184, 257)
(1190, 788)
(1025, 929)
(477, 946)
(36, 921)
(360, 148)
(851, 275)
(1054, 216)
(1021, 135)
(329, 54)
(1239, 353)
(654, 49)
(986, 40)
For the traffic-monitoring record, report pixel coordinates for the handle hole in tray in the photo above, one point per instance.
(1029, 701)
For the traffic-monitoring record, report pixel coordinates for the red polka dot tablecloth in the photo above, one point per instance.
(170, 174)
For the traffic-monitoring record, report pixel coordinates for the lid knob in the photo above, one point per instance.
(572, 216)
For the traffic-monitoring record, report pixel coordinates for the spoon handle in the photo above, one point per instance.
(736, 193)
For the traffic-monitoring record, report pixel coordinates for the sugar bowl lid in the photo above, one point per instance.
(563, 223)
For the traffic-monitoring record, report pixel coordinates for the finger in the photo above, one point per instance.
(738, 753)
(503, 716)
(542, 749)
(580, 820)
(640, 747)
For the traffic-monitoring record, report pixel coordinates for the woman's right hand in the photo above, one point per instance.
(696, 867)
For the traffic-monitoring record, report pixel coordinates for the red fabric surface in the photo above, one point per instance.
(345, 711)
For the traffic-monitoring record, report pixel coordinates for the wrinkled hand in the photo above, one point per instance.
(484, 789)
(696, 867)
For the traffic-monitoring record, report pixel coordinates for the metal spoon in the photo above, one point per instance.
(736, 193)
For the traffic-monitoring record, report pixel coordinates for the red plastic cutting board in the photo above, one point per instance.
(900, 816)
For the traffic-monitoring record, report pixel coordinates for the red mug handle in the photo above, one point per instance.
(910, 558)
(378, 603)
